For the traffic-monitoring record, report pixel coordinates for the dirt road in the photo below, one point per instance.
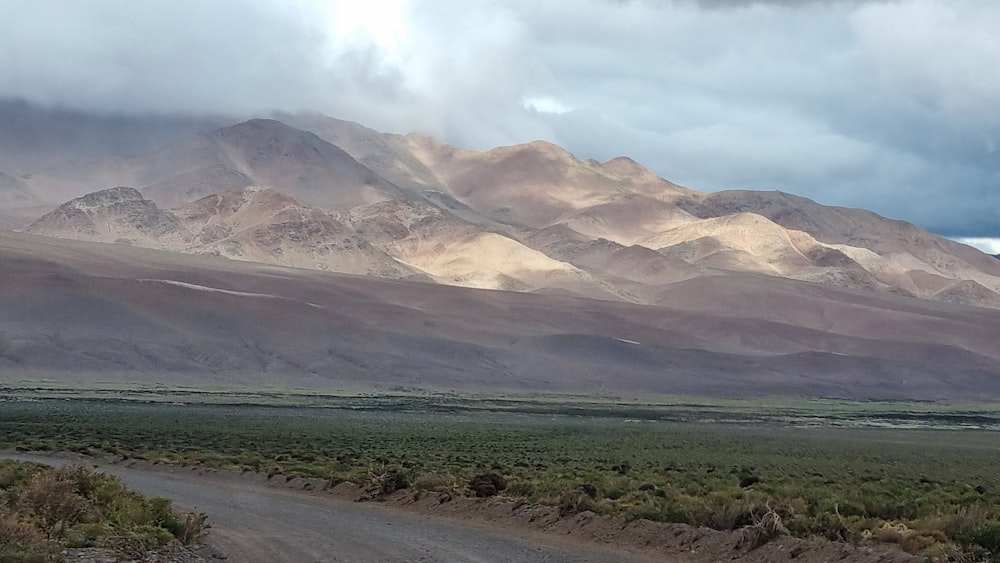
(253, 523)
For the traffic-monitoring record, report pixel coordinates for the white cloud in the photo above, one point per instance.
(545, 104)
(887, 105)
(944, 53)
(987, 245)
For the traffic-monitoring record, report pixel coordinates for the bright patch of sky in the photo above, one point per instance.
(380, 22)
(545, 104)
(987, 245)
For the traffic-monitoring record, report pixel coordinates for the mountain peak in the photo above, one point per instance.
(538, 147)
(266, 133)
(117, 214)
(106, 197)
(257, 124)
(625, 167)
(299, 163)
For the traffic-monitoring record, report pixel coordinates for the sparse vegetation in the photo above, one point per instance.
(928, 491)
(43, 509)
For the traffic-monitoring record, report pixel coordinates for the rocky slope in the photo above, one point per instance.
(119, 215)
(254, 224)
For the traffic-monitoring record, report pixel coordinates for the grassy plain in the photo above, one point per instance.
(921, 475)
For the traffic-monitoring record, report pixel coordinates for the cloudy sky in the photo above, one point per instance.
(893, 105)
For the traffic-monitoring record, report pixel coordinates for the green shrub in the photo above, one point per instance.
(17, 552)
(87, 535)
(521, 489)
(983, 541)
(487, 485)
(52, 503)
(45, 508)
(438, 483)
(575, 500)
(193, 529)
(14, 474)
(385, 481)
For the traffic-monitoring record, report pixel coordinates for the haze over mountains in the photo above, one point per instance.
(803, 297)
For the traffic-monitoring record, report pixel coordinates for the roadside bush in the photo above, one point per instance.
(16, 552)
(14, 474)
(383, 481)
(521, 489)
(725, 510)
(984, 542)
(575, 500)
(45, 508)
(22, 542)
(963, 521)
(487, 485)
(87, 535)
(437, 483)
(52, 503)
(764, 529)
(193, 528)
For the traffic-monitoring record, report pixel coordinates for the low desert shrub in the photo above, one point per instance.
(521, 489)
(438, 483)
(52, 503)
(46, 508)
(575, 500)
(487, 485)
(88, 535)
(983, 541)
(765, 528)
(16, 552)
(383, 481)
(192, 529)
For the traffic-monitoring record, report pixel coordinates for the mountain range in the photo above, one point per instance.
(613, 279)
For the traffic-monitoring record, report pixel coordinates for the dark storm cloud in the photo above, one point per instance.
(889, 105)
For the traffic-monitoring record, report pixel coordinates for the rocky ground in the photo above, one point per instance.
(173, 553)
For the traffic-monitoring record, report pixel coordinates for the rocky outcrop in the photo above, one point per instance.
(119, 215)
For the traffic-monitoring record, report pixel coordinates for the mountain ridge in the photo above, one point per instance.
(530, 217)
